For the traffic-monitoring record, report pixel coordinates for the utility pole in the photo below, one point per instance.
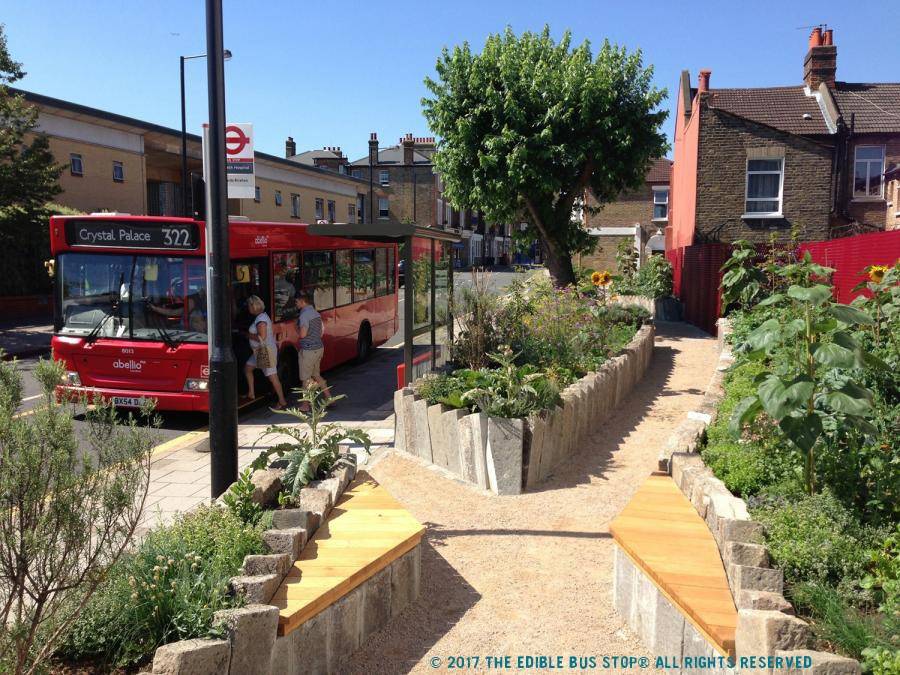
(222, 365)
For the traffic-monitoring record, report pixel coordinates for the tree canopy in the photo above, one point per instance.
(529, 124)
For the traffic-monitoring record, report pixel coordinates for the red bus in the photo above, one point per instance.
(130, 301)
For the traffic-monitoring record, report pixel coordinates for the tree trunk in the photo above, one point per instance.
(560, 267)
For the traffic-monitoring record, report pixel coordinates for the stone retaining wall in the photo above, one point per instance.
(251, 645)
(766, 621)
(661, 309)
(506, 455)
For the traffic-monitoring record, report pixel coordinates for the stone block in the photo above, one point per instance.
(266, 486)
(623, 582)
(750, 599)
(405, 580)
(437, 437)
(251, 630)
(669, 629)
(763, 632)
(276, 563)
(344, 474)
(410, 434)
(450, 426)
(331, 485)
(376, 602)
(820, 663)
(746, 531)
(566, 439)
(315, 501)
(695, 647)
(678, 461)
(536, 433)
(291, 519)
(344, 628)
(550, 451)
(257, 589)
(422, 435)
(605, 394)
(643, 608)
(505, 442)
(743, 577)
(699, 497)
(289, 541)
(472, 439)
(202, 656)
(283, 656)
(310, 644)
(399, 429)
(740, 553)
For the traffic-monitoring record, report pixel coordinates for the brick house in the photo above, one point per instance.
(811, 158)
(636, 216)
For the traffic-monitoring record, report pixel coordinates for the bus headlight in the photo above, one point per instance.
(72, 379)
(195, 384)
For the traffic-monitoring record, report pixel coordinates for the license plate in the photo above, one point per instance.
(127, 401)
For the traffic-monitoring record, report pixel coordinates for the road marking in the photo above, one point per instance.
(31, 398)
(26, 413)
(181, 441)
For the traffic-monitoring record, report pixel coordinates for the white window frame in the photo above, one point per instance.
(384, 177)
(387, 210)
(867, 197)
(73, 158)
(351, 213)
(657, 189)
(257, 194)
(121, 166)
(278, 200)
(356, 173)
(331, 210)
(747, 198)
(320, 208)
(295, 205)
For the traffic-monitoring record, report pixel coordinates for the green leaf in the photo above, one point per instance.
(766, 335)
(832, 355)
(771, 300)
(874, 362)
(845, 340)
(744, 412)
(841, 402)
(849, 315)
(773, 398)
(794, 327)
(813, 294)
(802, 431)
(799, 391)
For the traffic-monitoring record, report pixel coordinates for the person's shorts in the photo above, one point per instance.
(272, 359)
(310, 360)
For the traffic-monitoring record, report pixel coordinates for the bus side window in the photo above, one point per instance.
(286, 269)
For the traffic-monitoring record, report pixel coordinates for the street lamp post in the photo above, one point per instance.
(222, 364)
(185, 185)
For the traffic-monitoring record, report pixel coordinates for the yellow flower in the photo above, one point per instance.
(595, 278)
(601, 278)
(877, 272)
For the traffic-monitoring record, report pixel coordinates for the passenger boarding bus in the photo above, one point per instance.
(130, 301)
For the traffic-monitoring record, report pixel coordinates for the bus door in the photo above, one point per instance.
(248, 277)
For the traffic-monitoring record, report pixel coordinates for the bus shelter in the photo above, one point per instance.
(427, 269)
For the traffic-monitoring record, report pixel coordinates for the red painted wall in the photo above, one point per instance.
(683, 187)
(849, 256)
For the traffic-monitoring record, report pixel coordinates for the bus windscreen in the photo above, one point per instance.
(133, 297)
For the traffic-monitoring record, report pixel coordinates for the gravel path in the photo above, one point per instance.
(532, 574)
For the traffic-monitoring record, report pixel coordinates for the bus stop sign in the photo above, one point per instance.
(240, 169)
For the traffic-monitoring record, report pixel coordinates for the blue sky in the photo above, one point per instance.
(328, 73)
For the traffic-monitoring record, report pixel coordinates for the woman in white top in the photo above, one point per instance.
(265, 350)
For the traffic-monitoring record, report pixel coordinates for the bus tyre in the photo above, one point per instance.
(363, 343)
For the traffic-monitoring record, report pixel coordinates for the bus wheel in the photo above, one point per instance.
(363, 343)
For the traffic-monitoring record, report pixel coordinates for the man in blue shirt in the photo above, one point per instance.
(309, 323)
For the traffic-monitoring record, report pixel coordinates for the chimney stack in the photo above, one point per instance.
(373, 149)
(820, 64)
(290, 148)
(703, 81)
(408, 144)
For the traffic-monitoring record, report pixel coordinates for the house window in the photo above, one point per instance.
(384, 177)
(448, 213)
(295, 206)
(384, 210)
(660, 203)
(277, 197)
(320, 209)
(257, 194)
(764, 183)
(76, 165)
(118, 172)
(356, 173)
(331, 211)
(867, 174)
(351, 213)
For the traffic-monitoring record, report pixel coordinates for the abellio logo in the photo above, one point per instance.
(130, 365)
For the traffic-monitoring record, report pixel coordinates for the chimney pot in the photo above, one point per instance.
(290, 148)
(828, 37)
(815, 38)
(373, 136)
(703, 83)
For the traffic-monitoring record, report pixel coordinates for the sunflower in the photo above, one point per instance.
(877, 272)
(601, 279)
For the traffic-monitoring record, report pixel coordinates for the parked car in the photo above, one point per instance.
(401, 266)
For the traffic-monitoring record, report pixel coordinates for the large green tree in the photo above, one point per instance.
(529, 124)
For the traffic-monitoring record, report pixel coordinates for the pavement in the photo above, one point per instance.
(21, 339)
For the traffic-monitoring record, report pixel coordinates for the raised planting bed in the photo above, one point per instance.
(506, 455)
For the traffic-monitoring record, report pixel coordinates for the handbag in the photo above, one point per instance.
(263, 360)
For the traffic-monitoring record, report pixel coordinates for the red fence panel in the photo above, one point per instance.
(849, 256)
(696, 279)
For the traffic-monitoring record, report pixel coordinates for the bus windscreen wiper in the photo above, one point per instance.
(91, 337)
(167, 338)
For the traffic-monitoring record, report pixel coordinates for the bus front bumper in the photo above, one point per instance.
(182, 401)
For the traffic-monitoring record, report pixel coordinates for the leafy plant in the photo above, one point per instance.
(881, 660)
(167, 590)
(239, 499)
(68, 513)
(510, 391)
(742, 280)
(626, 259)
(800, 393)
(315, 447)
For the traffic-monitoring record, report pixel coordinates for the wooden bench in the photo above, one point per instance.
(365, 532)
(665, 538)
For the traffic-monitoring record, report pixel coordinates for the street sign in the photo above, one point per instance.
(240, 167)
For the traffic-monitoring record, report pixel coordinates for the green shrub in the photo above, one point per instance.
(814, 539)
(167, 590)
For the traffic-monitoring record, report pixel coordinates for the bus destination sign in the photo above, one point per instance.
(162, 235)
